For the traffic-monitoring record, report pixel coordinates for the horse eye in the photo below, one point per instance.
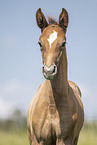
(63, 44)
(40, 44)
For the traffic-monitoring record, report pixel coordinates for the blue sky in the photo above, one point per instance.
(20, 57)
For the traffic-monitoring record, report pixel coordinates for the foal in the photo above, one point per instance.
(55, 115)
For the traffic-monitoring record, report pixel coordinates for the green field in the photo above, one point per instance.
(88, 136)
(13, 138)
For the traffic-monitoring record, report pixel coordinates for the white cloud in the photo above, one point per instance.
(5, 108)
(14, 94)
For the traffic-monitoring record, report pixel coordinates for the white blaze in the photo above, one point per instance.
(52, 38)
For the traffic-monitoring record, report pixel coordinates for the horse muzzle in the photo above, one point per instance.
(49, 71)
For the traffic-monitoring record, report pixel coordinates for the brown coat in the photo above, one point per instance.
(55, 115)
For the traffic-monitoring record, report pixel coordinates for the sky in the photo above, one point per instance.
(20, 57)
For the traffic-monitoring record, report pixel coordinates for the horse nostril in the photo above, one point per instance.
(54, 69)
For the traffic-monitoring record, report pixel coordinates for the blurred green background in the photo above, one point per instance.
(13, 131)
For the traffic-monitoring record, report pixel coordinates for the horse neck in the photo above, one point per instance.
(59, 83)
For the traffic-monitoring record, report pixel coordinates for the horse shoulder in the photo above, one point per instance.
(33, 103)
(37, 111)
(79, 115)
(76, 95)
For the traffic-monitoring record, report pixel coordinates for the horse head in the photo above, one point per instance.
(52, 42)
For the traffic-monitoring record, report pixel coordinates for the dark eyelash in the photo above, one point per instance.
(40, 44)
(63, 44)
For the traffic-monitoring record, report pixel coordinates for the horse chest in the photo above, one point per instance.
(44, 118)
(47, 122)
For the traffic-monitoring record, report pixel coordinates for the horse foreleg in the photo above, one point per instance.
(68, 141)
(32, 138)
(76, 141)
(64, 142)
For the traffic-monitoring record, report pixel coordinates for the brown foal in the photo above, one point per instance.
(55, 115)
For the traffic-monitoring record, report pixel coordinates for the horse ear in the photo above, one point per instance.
(40, 18)
(63, 19)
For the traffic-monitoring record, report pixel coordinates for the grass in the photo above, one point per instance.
(88, 136)
(13, 138)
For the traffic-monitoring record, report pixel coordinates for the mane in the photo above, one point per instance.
(52, 21)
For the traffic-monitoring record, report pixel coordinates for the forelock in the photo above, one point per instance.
(52, 21)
